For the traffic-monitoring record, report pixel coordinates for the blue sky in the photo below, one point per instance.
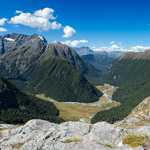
(99, 24)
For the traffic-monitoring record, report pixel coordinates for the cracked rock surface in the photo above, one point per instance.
(43, 135)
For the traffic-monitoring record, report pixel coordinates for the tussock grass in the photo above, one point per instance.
(71, 112)
(110, 145)
(1, 129)
(17, 146)
(135, 140)
(74, 139)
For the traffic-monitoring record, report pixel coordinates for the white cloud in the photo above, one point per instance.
(2, 21)
(66, 42)
(39, 19)
(18, 11)
(74, 43)
(3, 30)
(121, 48)
(100, 48)
(115, 47)
(139, 48)
(112, 42)
(120, 43)
(111, 48)
(93, 46)
(45, 13)
(69, 32)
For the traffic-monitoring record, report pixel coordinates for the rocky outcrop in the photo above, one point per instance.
(39, 134)
(138, 117)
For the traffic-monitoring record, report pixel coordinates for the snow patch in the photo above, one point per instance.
(10, 39)
(41, 38)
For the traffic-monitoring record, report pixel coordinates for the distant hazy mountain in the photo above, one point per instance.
(115, 54)
(100, 62)
(34, 65)
(83, 50)
(131, 72)
(17, 107)
(86, 50)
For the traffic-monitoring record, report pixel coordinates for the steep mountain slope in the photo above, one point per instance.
(131, 72)
(18, 52)
(100, 62)
(63, 51)
(139, 116)
(59, 80)
(17, 107)
(34, 65)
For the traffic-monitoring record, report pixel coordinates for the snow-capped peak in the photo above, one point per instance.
(41, 37)
(10, 39)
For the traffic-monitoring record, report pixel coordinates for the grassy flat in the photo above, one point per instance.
(76, 111)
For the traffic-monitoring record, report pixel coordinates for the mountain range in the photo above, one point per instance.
(86, 50)
(37, 66)
(99, 59)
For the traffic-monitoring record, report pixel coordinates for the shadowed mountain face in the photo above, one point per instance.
(131, 72)
(7, 95)
(54, 69)
(17, 107)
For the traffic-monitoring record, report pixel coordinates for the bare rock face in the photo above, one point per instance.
(39, 134)
(139, 117)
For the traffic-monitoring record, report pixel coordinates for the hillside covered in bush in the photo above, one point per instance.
(17, 107)
(131, 72)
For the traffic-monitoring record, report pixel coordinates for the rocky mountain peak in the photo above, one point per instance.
(83, 50)
(11, 42)
(64, 51)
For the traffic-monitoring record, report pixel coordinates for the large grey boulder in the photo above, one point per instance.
(42, 135)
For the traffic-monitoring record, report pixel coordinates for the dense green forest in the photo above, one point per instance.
(17, 107)
(57, 79)
(133, 79)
